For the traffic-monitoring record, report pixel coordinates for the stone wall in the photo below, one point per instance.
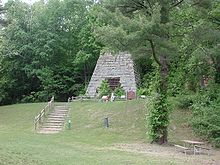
(109, 66)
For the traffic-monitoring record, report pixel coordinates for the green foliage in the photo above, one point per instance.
(184, 101)
(142, 91)
(30, 98)
(157, 118)
(47, 49)
(104, 89)
(144, 27)
(199, 58)
(119, 91)
(206, 115)
(149, 82)
(158, 115)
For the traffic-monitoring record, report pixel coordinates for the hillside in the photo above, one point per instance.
(88, 142)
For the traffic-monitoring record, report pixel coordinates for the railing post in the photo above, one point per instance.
(68, 102)
(52, 102)
(40, 118)
(35, 123)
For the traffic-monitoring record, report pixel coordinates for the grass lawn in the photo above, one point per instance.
(88, 142)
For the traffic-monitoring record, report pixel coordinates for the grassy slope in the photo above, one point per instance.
(86, 143)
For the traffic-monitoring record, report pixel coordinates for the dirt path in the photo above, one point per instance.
(170, 153)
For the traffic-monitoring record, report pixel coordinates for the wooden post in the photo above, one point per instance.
(40, 118)
(35, 123)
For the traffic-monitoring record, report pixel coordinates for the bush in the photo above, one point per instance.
(206, 115)
(40, 96)
(142, 91)
(119, 91)
(104, 89)
(185, 101)
(206, 122)
(157, 117)
(28, 99)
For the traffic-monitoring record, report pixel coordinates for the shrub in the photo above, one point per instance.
(206, 122)
(185, 101)
(119, 91)
(142, 91)
(157, 117)
(28, 99)
(206, 115)
(104, 89)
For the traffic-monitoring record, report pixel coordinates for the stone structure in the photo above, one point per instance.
(118, 70)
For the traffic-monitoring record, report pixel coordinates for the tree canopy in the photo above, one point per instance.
(178, 35)
(47, 49)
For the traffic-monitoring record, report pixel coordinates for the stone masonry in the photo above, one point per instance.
(114, 66)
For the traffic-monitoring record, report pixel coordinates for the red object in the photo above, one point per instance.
(131, 95)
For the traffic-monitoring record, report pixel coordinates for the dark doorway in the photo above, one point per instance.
(114, 82)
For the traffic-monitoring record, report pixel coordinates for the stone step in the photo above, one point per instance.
(51, 129)
(56, 116)
(52, 126)
(60, 107)
(53, 123)
(48, 132)
(59, 112)
(53, 116)
(61, 115)
(66, 111)
(55, 119)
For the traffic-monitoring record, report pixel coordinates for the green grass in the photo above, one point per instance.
(88, 142)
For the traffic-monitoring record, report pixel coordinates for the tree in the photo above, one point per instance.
(3, 22)
(47, 49)
(143, 26)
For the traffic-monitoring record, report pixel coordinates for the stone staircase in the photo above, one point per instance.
(55, 120)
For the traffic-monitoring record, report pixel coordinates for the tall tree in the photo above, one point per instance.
(3, 21)
(47, 50)
(143, 26)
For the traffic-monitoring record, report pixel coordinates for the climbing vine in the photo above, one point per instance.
(158, 112)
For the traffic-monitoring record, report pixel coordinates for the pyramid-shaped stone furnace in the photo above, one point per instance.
(118, 70)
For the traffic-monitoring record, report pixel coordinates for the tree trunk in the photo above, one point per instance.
(164, 70)
(163, 79)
